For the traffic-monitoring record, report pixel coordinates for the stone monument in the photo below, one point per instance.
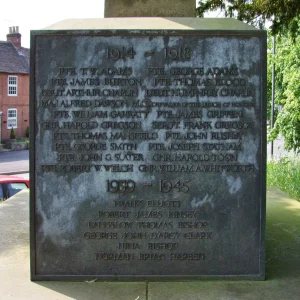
(149, 8)
(148, 149)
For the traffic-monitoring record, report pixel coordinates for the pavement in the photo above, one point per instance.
(282, 264)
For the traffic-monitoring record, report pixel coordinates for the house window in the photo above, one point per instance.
(12, 120)
(12, 85)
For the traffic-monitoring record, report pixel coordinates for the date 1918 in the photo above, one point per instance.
(178, 53)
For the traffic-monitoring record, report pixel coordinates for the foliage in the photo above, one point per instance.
(285, 174)
(284, 16)
(27, 132)
(12, 134)
(281, 13)
(287, 91)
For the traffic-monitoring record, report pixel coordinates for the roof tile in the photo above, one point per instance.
(13, 60)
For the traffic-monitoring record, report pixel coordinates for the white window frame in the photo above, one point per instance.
(10, 118)
(12, 86)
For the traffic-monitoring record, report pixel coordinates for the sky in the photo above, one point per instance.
(37, 14)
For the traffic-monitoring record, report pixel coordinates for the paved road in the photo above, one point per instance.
(13, 162)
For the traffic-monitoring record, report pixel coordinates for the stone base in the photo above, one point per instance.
(283, 278)
(149, 8)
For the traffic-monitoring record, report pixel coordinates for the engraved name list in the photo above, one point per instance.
(148, 152)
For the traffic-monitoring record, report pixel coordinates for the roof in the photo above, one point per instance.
(13, 60)
(152, 24)
(12, 179)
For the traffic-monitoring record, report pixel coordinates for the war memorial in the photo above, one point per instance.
(148, 149)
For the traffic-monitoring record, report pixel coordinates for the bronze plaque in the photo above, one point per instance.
(148, 156)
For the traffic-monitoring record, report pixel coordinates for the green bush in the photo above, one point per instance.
(285, 174)
(12, 134)
(27, 132)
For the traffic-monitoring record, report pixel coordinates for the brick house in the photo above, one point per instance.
(14, 86)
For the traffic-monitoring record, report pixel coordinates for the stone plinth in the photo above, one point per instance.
(149, 8)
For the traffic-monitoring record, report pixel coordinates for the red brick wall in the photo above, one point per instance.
(19, 102)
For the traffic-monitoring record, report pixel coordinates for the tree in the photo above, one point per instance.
(281, 13)
(287, 90)
(284, 17)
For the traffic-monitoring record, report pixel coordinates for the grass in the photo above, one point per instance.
(285, 175)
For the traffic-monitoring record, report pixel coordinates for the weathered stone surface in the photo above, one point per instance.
(152, 24)
(150, 154)
(149, 8)
(282, 257)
